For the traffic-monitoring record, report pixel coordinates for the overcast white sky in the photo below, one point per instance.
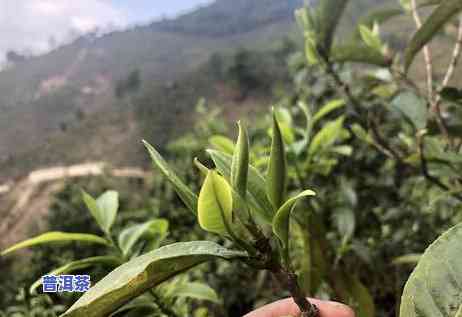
(30, 24)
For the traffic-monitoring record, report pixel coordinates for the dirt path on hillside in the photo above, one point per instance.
(27, 201)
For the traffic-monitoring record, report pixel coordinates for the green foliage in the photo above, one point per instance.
(434, 287)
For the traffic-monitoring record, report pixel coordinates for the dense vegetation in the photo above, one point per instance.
(381, 151)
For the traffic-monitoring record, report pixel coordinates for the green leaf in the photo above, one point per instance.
(240, 163)
(413, 108)
(410, 259)
(129, 236)
(54, 237)
(439, 17)
(104, 209)
(327, 137)
(222, 143)
(344, 219)
(372, 40)
(79, 265)
(359, 53)
(276, 180)
(256, 187)
(215, 206)
(186, 195)
(145, 272)
(282, 217)
(363, 301)
(195, 290)
(435, 286)
(326, 109)
(330, 13)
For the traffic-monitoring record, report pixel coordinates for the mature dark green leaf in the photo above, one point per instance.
(276, 179)
(435, 286)
(240, 163)
(142, 273)
(187, 196)
(413, 108)
(215, 206)
(55, 237)
(439, 17)
(256, 187)
(110, 261)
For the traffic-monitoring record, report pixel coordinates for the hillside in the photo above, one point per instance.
(60, 108)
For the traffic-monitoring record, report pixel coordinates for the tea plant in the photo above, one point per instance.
(129, 243)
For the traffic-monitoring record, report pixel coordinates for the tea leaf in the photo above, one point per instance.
(240, 163)
(277, 167)
(282, 217)
(215, 204)
(79, 265)
(435, 286)
(439, 17)
(54, 237)
(256, 186)
(129, 236)
(186, 195)
(135, 277)
(103, 209)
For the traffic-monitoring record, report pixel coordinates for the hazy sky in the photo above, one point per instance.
(34, 25)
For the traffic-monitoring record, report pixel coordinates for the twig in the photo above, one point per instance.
(290, 282)
(382, 145)
(426, 50)
(434, 105)
(455, 58)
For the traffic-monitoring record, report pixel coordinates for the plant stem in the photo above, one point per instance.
(290, 281)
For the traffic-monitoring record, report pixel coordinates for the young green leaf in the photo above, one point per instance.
(222, 143)
(282, 217)
(104, 209)
(186, 195)
(215, 206)
(408, 259)
(129, 236)
(326, 109)
(276, 180)
(145, 272)
(435, 286)
(240, 163)
(70, 267)
(256, 187)
(372, 40)
(439, 17)
(55, 237)
(327, 137)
